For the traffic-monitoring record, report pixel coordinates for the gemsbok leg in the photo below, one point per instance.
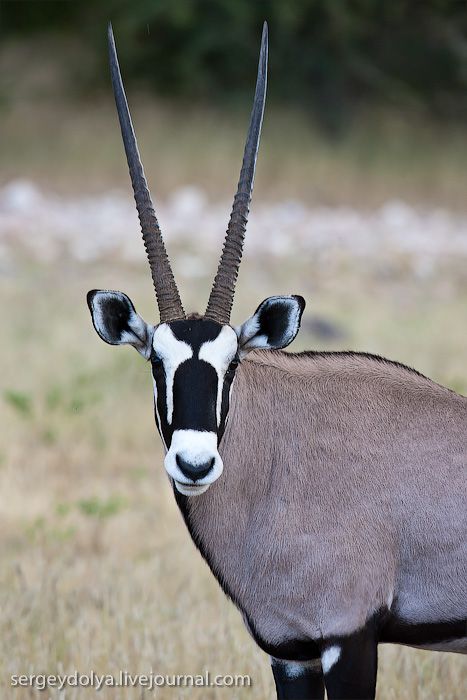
(298, 680)
(350, 664)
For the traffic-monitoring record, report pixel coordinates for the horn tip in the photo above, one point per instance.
(112, 48)
(110, 37)
(264, 44)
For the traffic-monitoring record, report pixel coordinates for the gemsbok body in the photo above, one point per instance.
(327, 491)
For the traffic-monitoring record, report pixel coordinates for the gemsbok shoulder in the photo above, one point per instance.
(327, 491)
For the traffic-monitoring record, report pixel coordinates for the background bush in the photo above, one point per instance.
(330, 56)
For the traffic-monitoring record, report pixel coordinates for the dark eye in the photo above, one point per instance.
(233, 365)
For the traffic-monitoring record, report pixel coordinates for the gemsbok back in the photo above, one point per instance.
(327, 491)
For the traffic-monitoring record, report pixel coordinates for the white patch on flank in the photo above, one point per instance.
(330, 657)
(219, 353)
(197, 447)
(172, 353)
(294, 669)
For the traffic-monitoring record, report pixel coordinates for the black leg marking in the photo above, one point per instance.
(298, 680)
(350, 665)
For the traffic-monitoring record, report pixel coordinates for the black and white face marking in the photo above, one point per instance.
(193, 366)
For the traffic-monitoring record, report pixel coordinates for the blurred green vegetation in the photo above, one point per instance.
(20, 401)
(332, 57)
(98, 508)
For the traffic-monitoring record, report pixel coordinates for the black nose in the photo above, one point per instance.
(194, 472)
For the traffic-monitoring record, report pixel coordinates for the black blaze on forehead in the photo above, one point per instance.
(195, 332)
(195, 396)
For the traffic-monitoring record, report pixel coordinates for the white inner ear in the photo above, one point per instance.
(248, 338)
(248, 333)
(139, 332)
(139, 335)
(172, 353)
(220, 353)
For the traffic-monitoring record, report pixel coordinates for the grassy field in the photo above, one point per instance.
(98, 571)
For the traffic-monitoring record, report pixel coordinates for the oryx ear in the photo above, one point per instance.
(116, 321)
(274, 324)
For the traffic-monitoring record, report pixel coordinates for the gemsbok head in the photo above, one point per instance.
(331, 489)
(193, 359)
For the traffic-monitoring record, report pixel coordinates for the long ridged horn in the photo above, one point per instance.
(222, 293)
(168, 298)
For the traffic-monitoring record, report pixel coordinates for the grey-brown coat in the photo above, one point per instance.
(344, 493)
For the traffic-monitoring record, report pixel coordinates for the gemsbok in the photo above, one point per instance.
(327, 491)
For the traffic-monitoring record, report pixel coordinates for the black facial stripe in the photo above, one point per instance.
(159, 377)
(195, 396)
(228, 379)
(158, 422)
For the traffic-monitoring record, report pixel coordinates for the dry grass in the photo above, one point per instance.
(71, 146)
(98, 571)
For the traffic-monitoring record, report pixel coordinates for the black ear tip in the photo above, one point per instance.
(90, 296)
(301, 302)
